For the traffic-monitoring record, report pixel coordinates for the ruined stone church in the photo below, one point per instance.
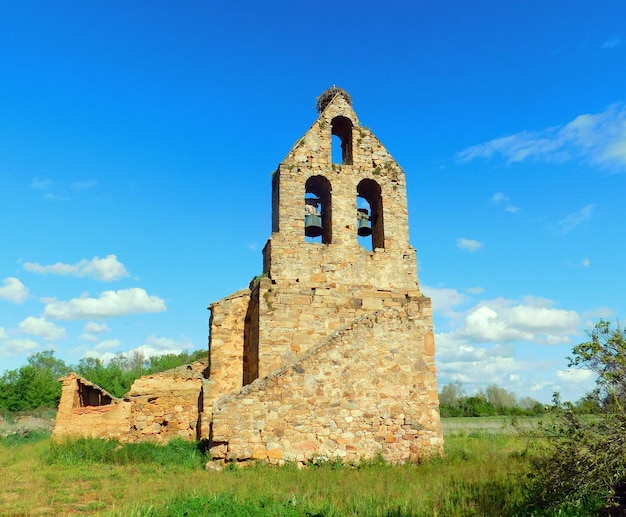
(329, 353)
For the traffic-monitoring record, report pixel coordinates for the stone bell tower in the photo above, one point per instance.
(333, 344)
(340, 272)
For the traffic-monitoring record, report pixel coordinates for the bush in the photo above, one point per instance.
(580, 460)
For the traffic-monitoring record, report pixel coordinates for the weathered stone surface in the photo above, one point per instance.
(353, 404)
(329, 353)
(76, 417)
(158, 407)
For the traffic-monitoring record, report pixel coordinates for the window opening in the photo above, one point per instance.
(317, 210)
(91, 395)
(371, 231)
(364, 226)
(337, 151)
(342, 128)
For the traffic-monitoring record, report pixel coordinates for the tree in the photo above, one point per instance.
(450, 394)
(453, 402)
(500, 398)
(36, 384)
(582, 458)
(33, 385)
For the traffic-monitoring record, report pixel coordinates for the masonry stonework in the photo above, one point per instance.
(330, 352)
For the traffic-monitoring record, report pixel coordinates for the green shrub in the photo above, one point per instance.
(579, 462)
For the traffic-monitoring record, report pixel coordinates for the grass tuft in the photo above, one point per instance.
(177, 453)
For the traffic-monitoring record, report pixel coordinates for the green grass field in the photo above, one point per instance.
(481, 474)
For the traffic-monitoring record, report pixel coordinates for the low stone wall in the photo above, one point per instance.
(158, 408)
(369, 389)
(166, 405)
(90, 421)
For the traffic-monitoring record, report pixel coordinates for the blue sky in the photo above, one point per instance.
(137, 141)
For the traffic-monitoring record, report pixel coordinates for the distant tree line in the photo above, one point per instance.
(492, 401)
(36, 384)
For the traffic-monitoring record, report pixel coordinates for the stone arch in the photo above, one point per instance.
(317, 190)
(342, 127)
(370, 191)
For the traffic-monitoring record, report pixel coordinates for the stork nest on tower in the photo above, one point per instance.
(324, 99)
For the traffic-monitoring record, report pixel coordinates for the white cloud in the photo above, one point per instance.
(42, 328)
(571, 221)
(585, 262)
(575, 375)
(457, 360)
(92, 329)
(542, 385)
(95, 328)
(499, 198)
(542, 319)
(13, 290)
(83, 185)
(39, 184)
(485, 324)
(612, 43)
(14, 347)
(55, 197)
(108, 344)
(594, 315)
(155, 346)
(3, 333)
(105, 357)
(443, 298)
(109, 304)
(151, 347)
(599, 138)
(475, 290)
(503, 321)
(468, 244)
(106, 269)
(480, 345)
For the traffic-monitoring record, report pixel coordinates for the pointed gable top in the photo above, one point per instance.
(326, 97)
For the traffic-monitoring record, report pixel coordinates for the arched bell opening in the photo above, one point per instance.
(336, 150)
(363, 222)
(370, 224)
(317, 210)
(341, 127)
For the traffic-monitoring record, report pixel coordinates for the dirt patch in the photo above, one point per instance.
(25, 424)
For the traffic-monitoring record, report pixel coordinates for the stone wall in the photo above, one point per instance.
(158, 408)
(75, 419)
(313, 288)
(226, 341)
(369, 389)
(311, 156)
(167, 405)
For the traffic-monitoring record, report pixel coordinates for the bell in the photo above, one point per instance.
(312, 225)
(364, 229)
